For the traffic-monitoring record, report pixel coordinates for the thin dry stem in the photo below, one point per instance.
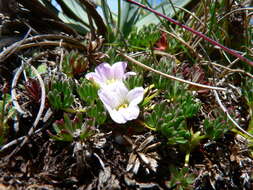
(184, 43)
(232, 70)
(236, 10)
(16, 141)
(169, 76)
(12, 48)
(69, 42)
(50, 43)
(13, 90)
(190, 13)
(43, 96)
(42, 106)
(224, 109)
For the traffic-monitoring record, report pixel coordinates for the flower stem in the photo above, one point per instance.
(228, 50)
(187, 159)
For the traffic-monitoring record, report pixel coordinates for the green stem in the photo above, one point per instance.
(146, 125)
(119, 15)
(2, 117)
(187, 159)
(71, 110)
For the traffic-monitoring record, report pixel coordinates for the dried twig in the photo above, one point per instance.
(13, 90)
(233, 11)
(232, 70)
(69, 42)
(192, 14)
(43, 97)
(16, 141)
(174, 35)
(224, 109)
(12, 48)
(169, 76)
(51, 43)
(53, 37)
(42, 106)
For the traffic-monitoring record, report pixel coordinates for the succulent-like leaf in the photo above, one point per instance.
(61, 96)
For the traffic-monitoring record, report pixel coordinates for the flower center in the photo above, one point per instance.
(123, 105)
(110, 81)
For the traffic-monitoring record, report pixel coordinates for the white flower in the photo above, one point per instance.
(121, 103)
(106, 74)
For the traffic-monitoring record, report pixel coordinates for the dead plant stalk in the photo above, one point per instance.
(169, 76)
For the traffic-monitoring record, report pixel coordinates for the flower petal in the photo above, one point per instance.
(130, 113)
(121, 90)
(109, 98)
(119, 70)
(129, 74)
(110, 105)
(117, 116)
(105, 71)
(94, 77)
(135, 96)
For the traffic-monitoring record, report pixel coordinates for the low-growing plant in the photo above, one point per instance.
(97, 112)
(214, 129)
(180, 179)
(87, 91)
(248, 93)
(61, 94)
(74, 64)
(165, 65)
(7, 112)
(70, 130)
(134, 81)
(144, 38)
(170, 120)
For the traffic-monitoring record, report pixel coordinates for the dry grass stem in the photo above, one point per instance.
(224, 109)
(169, 76)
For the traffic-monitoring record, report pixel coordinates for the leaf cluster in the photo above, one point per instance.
(145, 37)
(74, 64)
(180, 179)
(134, 81)
(248, 92)
(171, 120)
(61, 94)
(7, 112)
(69, 130)
(87, 91)
(214, 129)
(166, 65)
(97, 112)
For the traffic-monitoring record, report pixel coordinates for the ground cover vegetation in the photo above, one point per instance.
(154, 96)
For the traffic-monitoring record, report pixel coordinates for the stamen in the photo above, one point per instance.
(124, 105)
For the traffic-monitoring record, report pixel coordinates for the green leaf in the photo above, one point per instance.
(74, 14)
(87, 91)
(129, 17)
(60, 96)
(149, 18)
(97, 112)
(69, 130)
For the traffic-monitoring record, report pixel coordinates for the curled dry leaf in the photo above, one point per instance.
(142, 155)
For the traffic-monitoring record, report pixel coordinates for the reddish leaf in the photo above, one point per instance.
(162, 43)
